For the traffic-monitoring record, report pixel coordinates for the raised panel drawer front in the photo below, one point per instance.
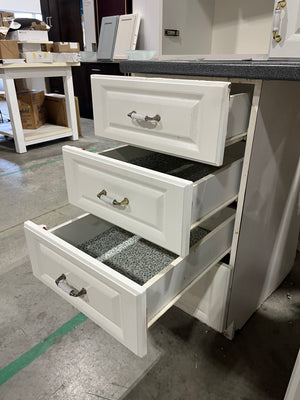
(120, 281)
(126, 186)
(173, 116)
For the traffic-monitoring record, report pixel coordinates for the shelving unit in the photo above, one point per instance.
(47, 132)
(42, 134)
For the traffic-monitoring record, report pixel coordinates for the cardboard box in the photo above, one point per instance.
(3, 32)
(8, 49)
(26, 35)
(37, 57)
(32, 109)
(47, 47)
(66, 57)
(6, 18)
(21, 85)
(55, 105)
(66, 47)
(25, 47)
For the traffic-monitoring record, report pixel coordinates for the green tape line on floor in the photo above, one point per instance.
(27, 358)
(36, 165)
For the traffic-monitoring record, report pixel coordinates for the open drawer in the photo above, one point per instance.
(120, 281)
(187, 118)
(153, 195)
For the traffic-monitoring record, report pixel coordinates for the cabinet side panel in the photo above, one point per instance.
(270, 223)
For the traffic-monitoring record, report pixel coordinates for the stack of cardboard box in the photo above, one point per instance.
(5, 20)
(50, 52)
(8, 48)
(64, 51)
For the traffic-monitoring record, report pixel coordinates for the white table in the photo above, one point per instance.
(47, 132)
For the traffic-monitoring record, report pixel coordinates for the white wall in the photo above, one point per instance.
(17, 5)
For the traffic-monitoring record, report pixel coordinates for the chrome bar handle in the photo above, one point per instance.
(109, 200)
(61, 282)
(142, 117)
(277, 20)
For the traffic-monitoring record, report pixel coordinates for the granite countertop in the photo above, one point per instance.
(95, 61)
(268, 70)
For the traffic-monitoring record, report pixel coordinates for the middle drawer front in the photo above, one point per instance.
(159, 206)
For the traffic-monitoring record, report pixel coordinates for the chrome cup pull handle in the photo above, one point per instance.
(142, 117)
(109, 200)
(61, 282)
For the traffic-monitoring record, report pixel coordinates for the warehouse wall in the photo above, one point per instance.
(17, 5)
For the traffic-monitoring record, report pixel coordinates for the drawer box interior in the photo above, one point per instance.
(126, 253)
(166, 195)
(105, 271)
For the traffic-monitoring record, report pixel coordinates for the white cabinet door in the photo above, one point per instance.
(186, 118)
(286, 30)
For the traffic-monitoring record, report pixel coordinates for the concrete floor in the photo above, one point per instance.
(186, 359)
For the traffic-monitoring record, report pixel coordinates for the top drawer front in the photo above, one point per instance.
(193, 114)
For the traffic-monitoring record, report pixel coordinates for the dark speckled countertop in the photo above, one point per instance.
(268, 70)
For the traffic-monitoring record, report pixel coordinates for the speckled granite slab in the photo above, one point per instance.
(269, 69)
(174, 166)
(132, 256)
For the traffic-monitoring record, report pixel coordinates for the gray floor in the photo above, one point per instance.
(186, 359)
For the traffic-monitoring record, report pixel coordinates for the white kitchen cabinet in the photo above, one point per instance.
(166, 208)
(212, 29)
(144, 195)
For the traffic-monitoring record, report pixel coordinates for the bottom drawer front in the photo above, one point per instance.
(119, 310)
(101, 301)
(101, 265)
(206, 299)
